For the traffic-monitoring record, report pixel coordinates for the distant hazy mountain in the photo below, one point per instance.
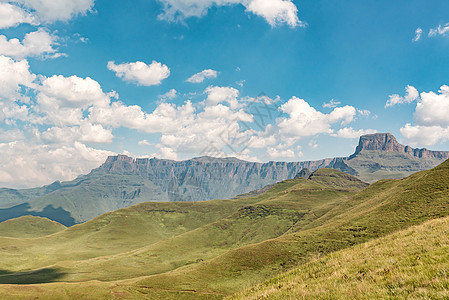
(123, 181)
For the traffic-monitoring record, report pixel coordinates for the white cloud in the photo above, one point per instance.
(144, 143)
(165, 118)
(75, 91)
(240, 83)
(171, 94)
(433, 109)
(11, 16)
(11, 135)
(418, 34)
(141, 73)
(424, 135)
(216, 94)
(440, 30)
(350, 133)
(63, 100)
(13, 76)
(331, 104)
(304, 120)
(201, 76)
(48, 11)
(86, 132)
(411, 94)
(35, 43)
(275, 12)
(26, 163)
(431, 119)
(275, 153)
(364, 112)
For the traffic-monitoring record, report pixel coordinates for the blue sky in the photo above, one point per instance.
(275, 80)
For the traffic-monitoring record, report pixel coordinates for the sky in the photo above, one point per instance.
(260, 80)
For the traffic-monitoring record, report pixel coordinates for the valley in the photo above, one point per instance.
(214, 249)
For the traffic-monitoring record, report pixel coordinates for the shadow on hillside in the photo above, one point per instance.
(46, 275)
(56, 214)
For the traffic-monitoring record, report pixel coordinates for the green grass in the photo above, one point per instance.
(29, 227)
(112, 233)
(217, 248)
(412, 263)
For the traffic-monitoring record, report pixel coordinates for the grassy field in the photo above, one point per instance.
(214, 249)
(29, 227)
(412, 263)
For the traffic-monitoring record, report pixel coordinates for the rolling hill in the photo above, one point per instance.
(135, 253)
(411, 263)
(29, 227)
(123, 181)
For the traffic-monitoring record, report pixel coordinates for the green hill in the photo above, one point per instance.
(378, 210)
(412, 263)
(29, 227)
(232, 245)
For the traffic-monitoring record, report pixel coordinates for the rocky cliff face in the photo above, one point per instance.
(206, 178)
(387, 142)
(123, 181)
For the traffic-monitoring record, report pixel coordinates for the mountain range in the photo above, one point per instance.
(327, 233)
(122, 181)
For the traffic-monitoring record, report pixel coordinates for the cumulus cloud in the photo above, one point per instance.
(12, 15)
(201, 76)
(216, 94)
(35, 43)
(171, 94)
(141, 73)
(304, 120)
(86, 132)
(14, 75)
(58, 152)
(411, 94)
(418, 34)
(350, 133)
(28, 164)
(276, 153)
(440, 30)
(144, 143)
(431, 121)
(425, 135)
(433, 109)
(63, 100)
(275, 12)
(48, 11)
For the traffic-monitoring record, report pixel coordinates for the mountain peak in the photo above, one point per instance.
(387, 142)
(379, 141)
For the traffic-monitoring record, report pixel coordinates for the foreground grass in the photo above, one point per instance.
(413, 263)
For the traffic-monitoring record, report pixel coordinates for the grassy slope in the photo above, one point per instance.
(380, 209)
(274, 214)
(29, 227)
(112, 233)
(339, 222)
(412, 263)
(251, 220)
